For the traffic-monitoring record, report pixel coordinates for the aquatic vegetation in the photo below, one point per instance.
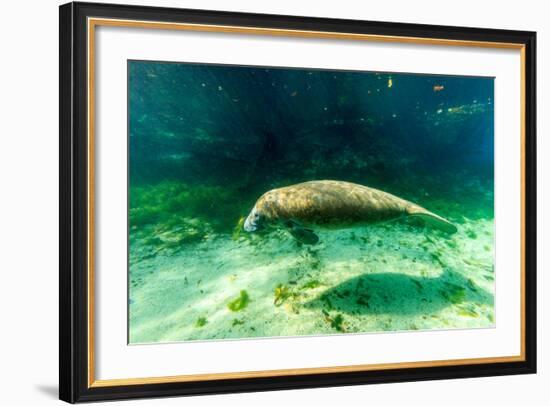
(238, 230)
(240, 302)
(312, 284)
(282, 293)
(205, 142)
(471, 285)
(363, 299)
(187, 233)
(436, 256)
(451, 243)
(336, 322)
(478, 264)
(169, 203)
(327, 302)
(454, 294)
(467, 312)
(201, 322)
(153, 240)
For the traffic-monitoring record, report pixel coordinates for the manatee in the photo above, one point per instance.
(332, 204)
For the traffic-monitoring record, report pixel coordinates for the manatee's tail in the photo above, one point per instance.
(432, 219)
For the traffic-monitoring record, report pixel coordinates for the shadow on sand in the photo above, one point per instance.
(399, 294)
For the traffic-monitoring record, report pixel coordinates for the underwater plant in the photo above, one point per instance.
(192, 187)
(282, 293)
(467, 312)
(336, 322)
(167, 202)
(237, 231)
(312, 284)
(455, 294)
(240, 302)
(237, 322)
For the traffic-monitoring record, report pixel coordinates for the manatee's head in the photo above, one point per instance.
(255, 221)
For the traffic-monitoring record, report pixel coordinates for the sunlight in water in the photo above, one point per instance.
(207, 142)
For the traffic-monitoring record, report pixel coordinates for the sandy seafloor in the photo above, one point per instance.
(388, 277)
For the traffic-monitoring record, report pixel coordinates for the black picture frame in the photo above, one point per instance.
(74, 385)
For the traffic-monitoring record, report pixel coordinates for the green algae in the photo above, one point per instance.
(238, 230)
(239, 303)
(281, 293)
(436, 257)
(237, 322)
(471, 285)
(312, 284)
(201, 322)
(336, 322)
(190, 181)
(166, 203)
(363, 300)
(454, 293)
(466, 312)
(451, 243)
(184, 234)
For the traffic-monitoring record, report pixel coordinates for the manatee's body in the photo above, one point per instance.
(332, 204)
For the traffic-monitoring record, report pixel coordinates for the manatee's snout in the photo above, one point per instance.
(249, 226)
(252, 222)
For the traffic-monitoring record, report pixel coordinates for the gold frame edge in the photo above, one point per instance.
(91, 25)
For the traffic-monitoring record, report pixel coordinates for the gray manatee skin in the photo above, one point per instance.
(332, 204)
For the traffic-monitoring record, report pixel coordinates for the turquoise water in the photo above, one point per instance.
(206, 141)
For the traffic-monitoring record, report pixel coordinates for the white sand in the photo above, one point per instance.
(389, 277)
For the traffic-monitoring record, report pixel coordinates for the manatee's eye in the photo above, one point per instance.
(256, 216)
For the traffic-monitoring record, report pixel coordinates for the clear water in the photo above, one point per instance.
(206, 141)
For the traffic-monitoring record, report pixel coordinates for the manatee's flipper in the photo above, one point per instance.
(302, 234)
(433, 220)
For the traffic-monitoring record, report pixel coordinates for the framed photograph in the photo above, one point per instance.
(256, 202)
